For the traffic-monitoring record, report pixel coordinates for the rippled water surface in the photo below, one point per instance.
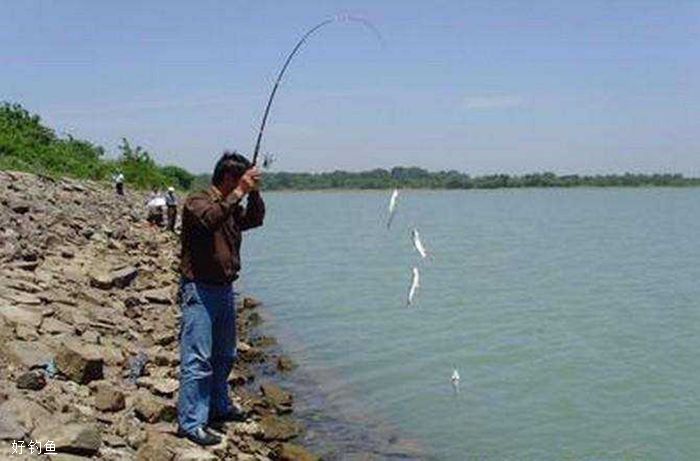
(573, 317)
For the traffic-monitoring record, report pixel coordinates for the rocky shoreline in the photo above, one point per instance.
(88, 336)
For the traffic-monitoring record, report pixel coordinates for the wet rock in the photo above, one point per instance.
(108, 398)
(285, 364)
(252, 354)
(250, 303)
(34, 380)
(253, 319)
(292, 452)
(279, 428)
(73, 438)
(81, 363)
(152, 409)
(279, 399)
(263, 341)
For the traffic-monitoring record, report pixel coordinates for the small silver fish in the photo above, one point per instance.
(455, 380)
(418, 244)
(415, 283)
(392, 207)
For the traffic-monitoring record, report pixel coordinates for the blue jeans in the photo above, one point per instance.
(207, 352)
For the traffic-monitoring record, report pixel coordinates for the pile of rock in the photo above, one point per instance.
(88, 325)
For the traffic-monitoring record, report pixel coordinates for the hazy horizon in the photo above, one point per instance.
(482, 88)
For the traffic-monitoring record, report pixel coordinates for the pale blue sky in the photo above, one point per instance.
(477, 86)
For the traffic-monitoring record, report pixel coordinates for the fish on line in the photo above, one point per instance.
(415, 283)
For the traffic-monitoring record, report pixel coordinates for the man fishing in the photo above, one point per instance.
(212, 223)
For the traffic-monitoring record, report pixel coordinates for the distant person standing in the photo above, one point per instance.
(171, 203)
(212, 224)
(119, 183)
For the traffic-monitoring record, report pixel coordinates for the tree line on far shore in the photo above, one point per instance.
(28, 145)
(418, 178)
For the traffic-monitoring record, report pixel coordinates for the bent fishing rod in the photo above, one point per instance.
(302, 40)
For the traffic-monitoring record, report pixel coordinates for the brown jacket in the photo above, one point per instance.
(211, 234)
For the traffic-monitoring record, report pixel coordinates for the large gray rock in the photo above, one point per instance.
(81, 363)
(10, 429)
(13, 315)
(161, 447)
(27, 354)
(152, 409)
(115, 279)
(73, 438)
(54, 326)
(26, 413)
(108, 398)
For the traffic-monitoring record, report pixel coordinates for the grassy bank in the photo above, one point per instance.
(26, 144)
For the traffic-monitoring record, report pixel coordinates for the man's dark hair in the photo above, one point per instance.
(230, 162)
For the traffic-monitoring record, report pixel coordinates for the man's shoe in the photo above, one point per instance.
(201, 437)
(235, 414)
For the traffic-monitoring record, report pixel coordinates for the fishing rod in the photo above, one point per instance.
(343, 18)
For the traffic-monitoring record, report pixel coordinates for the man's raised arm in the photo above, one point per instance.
(254, 212)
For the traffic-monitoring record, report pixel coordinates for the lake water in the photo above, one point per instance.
(573, 317)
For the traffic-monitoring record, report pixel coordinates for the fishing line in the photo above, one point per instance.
(340, 18)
